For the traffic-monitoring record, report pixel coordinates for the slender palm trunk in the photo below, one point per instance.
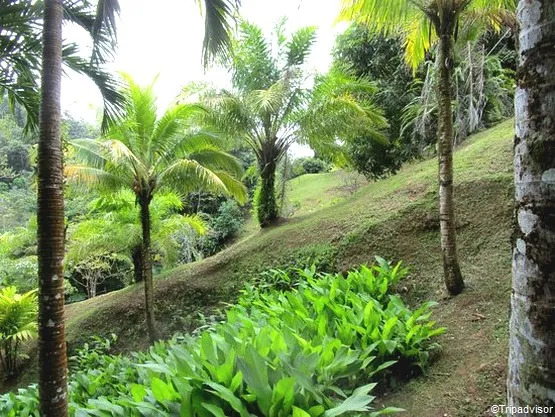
(147, 269)
(266, 204)
(50, 218)
(531, 378)
(452, 272)
(137, 257)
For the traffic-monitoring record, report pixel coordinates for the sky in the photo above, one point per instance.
(166, 41)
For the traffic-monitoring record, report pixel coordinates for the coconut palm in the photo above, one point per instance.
(147, 155)
(113, 227)
(50, 216)
(50, 220)
(532, 340)
(271, 107)
(427, 23)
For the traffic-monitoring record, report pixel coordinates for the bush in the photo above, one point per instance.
(316, 350)
(303, 166)
(18, 323)
(222, 227)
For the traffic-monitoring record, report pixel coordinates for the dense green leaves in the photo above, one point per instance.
(18, 316)
(317, 350)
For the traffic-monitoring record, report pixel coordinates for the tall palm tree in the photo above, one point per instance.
(270, 106)
(50, 219)
(532, 340)
(426, 23)
(50, 216)
(146, 155)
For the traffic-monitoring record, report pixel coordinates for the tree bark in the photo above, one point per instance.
(137, 257)
(531, 379)
(452, 273)
(266, 204)
(50, 218)
(147, 269)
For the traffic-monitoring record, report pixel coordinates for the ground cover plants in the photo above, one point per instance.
(316, 346)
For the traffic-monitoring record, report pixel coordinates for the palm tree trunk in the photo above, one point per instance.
(147, 269)
(531, 378)
(137, 257)
(266, 204)
(452, 272)
(50, 218)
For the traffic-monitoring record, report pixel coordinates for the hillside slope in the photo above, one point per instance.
(397, 219)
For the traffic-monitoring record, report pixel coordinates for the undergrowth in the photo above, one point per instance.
(316, 345)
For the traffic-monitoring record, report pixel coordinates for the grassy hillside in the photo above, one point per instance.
(395, 218)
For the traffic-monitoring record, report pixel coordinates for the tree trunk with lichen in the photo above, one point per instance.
(144, 202)
(452, 273)
(531, 378)
(50, 219)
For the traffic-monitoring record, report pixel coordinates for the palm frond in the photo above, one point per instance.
(217, 160)
(218, 16)
(269, 101)
(298, 47)
(95, 177)
(419, 37)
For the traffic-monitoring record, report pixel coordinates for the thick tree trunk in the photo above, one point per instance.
(147, 269)
(266, 204)
(531, 378)
(452, 272)
(50, 218)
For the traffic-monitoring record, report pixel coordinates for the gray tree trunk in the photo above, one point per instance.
(531, 378)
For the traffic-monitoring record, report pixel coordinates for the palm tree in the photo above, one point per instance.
(50, 219)
(270, 107)
(532, 340)
(148, 155)
(113, 228)
(426, 23)
(50, 216)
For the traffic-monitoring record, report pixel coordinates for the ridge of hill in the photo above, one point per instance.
(395, 218)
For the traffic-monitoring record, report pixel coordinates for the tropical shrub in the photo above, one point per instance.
(309, 165)
(18, 323)
(227, 222)
(316, 350)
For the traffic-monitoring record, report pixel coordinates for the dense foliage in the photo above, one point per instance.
(308, 165)
(483, 92)
(272, 106)
(316, 348)
(18, 323)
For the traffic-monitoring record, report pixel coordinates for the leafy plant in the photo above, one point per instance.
(18, 323)
(316, 350)
(227, 222)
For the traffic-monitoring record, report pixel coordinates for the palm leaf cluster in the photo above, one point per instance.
(21, 50)
(276, 102)
(144, 154)
(423, 21)
(114, 227)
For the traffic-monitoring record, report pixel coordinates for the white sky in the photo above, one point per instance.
(166, 40)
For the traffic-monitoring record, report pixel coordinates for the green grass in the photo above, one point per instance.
(395, 218)
(312, 192)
